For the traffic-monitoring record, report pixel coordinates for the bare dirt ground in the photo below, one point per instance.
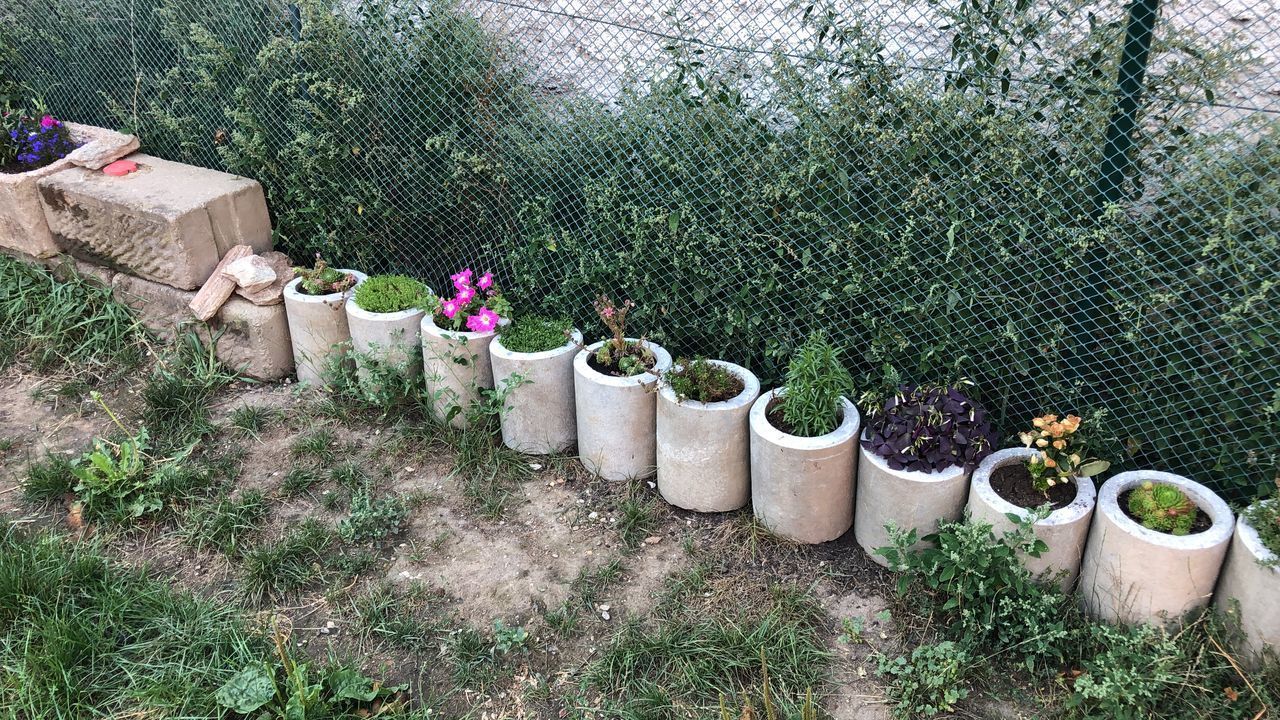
(464, 569)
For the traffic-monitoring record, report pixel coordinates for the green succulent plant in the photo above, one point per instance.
(1164, 508)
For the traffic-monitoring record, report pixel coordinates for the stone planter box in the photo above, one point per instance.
(22, 222)
(1065, 531)
(704, 449)
(617, 417)
(1135, 575)
(318, 328)
(541, 417)
(1249, 592)
(457, 367)
(391, 338)
(907, 499)
(802, 488)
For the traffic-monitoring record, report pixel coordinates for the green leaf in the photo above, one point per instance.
(247, 690)
(673, 221)
(347, 684)
(1093, 468)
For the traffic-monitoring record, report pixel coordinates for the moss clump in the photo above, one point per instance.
(535, 334)
(1163, 508)
(704, 381)
(392, 293)
(1264, 516)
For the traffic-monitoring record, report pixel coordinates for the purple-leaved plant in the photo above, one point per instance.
(930, 428)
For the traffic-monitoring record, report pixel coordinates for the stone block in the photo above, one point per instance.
(252, 339)
(22, 221)
(168, 222)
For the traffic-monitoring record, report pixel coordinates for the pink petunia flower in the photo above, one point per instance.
(483, 321)
(466, 294)
(47, 122)
(450, 308)
(462, 279)
(485, 282)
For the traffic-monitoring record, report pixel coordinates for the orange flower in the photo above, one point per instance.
(1059, 444)
(1048, 462)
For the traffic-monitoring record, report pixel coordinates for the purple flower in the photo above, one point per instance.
(485, 282)
(47, 122)
(461, 279)
(483, 321)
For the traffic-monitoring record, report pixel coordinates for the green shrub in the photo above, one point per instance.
(1163, 507)
(816, 381)
(372, 519)
(703, 381)
(928, 683)
(393, 293)
(535, 333)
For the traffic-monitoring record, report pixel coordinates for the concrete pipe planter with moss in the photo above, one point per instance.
(540, 416)
(1065, 530)
(617, 416)
(1132, 574)
(457, 367)
(318, 328)
(802, 488)
(704, 448)
(1249, 591)
(906, 499)
(391, 338)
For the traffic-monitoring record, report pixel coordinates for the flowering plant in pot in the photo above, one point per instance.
(802, 448)
(455, 344)
(1052, 471)
(1250, 582)
(384, 315)
(32, 141)
(315, 305)
(616, 409)
(704, 448)
(533, 357)
(923, 444)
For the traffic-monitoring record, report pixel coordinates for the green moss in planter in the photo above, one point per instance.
(392, 293)
(1264, 516)
(704, 381)
(535, 334)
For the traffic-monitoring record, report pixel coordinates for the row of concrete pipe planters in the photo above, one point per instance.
(717, 457)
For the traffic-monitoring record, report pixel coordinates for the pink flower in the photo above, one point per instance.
(47, 122)
(461, 280)
(485, 282)
(607, 312)
(483, 321)
(450, 308)
(466, 294)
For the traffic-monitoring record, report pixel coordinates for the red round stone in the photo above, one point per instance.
(120, 168)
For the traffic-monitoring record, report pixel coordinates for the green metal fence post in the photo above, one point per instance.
(1113, 173)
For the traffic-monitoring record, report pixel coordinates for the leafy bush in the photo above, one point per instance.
(816, 381)
(372, 519)
(928, 683)
(535, 333)
(393, 293)
(113, 479)
(1163, 507)
(928, 429)
(703, 381)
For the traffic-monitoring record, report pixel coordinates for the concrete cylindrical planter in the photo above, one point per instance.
(617, 417)
(394, 337)
(802, 488)
(906, 499)
(1065, 531)
(704, 449)
(317, 327)
(1253, 590)
(456, 367)
(541, 417)
(1135, 575)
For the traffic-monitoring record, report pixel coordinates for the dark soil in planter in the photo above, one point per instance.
(1203, 521)
(1013, 483)
(612, 370)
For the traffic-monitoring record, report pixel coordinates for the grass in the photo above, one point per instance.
(407, 619)
(298, 480)
(253, 419)
(223, 524)
(637, 516)
(48, 480)
(274, 569)
(81, 638)
(584, 594)
(70, 327)
(488, 472)
(317, 443)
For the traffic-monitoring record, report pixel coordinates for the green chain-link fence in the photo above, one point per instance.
(946, 187)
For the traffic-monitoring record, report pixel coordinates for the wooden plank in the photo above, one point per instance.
(218, 288)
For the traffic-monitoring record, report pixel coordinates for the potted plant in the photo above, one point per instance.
(384, 315)
(616, 409)
(315, 305)
(703, 436)
(1053, 471)
(533, 358)
(802, 436)
(914, 462)
(1155, 548)
(34, 145)
(1250, 585)
(456, 360)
